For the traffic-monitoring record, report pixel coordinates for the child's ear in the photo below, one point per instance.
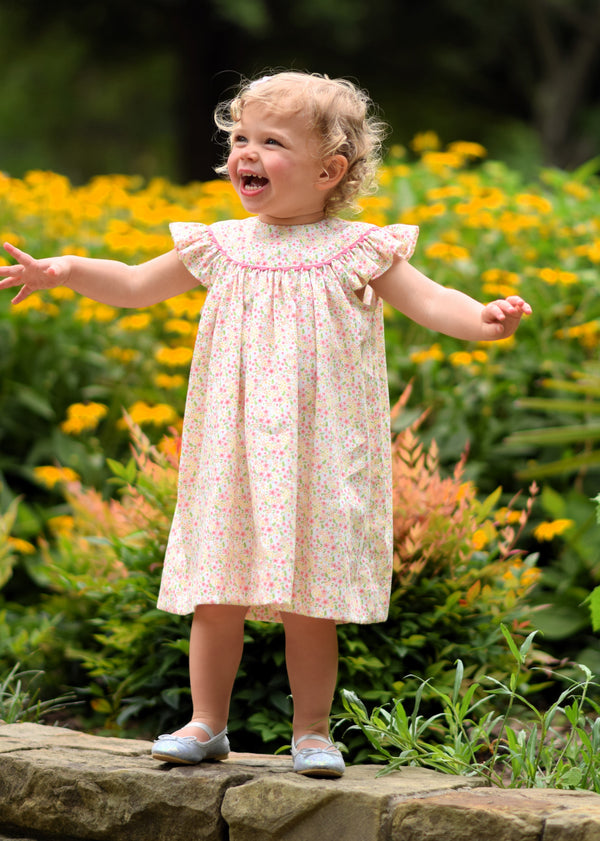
(334, 169)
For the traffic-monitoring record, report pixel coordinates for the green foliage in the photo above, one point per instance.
(8, 556)
(594, 598)
(555, 747)
(452, 588)
(560, 601)
(584, 403)
(20, 698)
(83, 608)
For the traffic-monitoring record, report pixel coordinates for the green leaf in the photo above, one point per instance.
(556, 468)
(125, 472)
(589, 387)
(585, 171)
(458, 679)
(594, 600)
(596, 499)
(571, 778)
(488, 505)
(575, 433)
(552, 405)
(526, 645)
(511, 643)
(34, 401)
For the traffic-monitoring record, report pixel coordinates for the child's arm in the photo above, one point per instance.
(447, 310)
(107, 281)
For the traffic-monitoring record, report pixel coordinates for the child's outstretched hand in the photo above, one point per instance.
(501, 318)
(31, 274)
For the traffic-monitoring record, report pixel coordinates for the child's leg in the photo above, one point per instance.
(216, 643)
(312, 661)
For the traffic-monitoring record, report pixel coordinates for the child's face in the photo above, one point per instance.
(275, 168)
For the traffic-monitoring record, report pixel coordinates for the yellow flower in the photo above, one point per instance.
(137, 321)
(500, 343)
(531, 201)
(34, 302)
(174, 357)
(592, 252)
(169, 380)
(88, 310)
(158, 415)
(51, 476)
(83, 417)
(587, 334)
(548, 530)
(24, 547)
(467, 149)
(435, 352)
(425, 141)
(62, 524)
(530, 576)
(507, 515)
(479, 540)
(577, 190)
(555, 276)
(446, 192)
(466, 490)
(7, 235)
(121, 354)
(423, 212)
(180, 326)
(460, 358)
(186, 305)
(498, 290)
(441, 163)
(79, 250)
(61, 293)
(500, 276)
(447, 252)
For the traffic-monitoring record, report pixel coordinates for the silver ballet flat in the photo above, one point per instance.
(317, 762)
(187, 750)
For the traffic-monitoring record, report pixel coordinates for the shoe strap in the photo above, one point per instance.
(202, 726)
(314, 736)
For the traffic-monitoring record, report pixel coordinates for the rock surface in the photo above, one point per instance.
(60, 785)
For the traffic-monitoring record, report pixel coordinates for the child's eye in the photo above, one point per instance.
(239, 138)
(270, 141)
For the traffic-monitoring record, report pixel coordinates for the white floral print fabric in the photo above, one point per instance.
(284, 499)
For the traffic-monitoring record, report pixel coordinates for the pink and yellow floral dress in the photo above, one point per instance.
(284, 499)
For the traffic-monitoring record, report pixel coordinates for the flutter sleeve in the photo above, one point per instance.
(374, 252)
(197, 249)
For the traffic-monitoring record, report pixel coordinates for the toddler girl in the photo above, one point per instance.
(284, 503)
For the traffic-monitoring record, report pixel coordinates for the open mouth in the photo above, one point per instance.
(253, 183)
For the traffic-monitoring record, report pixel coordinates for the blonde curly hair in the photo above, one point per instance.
(340, 113)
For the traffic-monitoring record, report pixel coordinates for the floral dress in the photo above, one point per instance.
(284, 500)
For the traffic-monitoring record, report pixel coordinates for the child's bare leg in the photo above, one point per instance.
(312, 662)
(216, 643)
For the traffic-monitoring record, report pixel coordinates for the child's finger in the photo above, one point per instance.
(23, 293)
(23, 258)
(9, 282)
(519, 304)
(494, 312)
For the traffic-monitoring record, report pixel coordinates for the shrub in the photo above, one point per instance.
(104, 571)
(513, 745)
(69, 366)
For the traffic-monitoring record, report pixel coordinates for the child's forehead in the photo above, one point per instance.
(281, 117)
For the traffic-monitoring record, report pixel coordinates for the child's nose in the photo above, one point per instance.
(249, 152)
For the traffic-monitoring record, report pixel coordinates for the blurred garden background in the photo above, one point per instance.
(106, 136)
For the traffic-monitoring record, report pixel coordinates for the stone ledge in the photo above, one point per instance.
(61, 785)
